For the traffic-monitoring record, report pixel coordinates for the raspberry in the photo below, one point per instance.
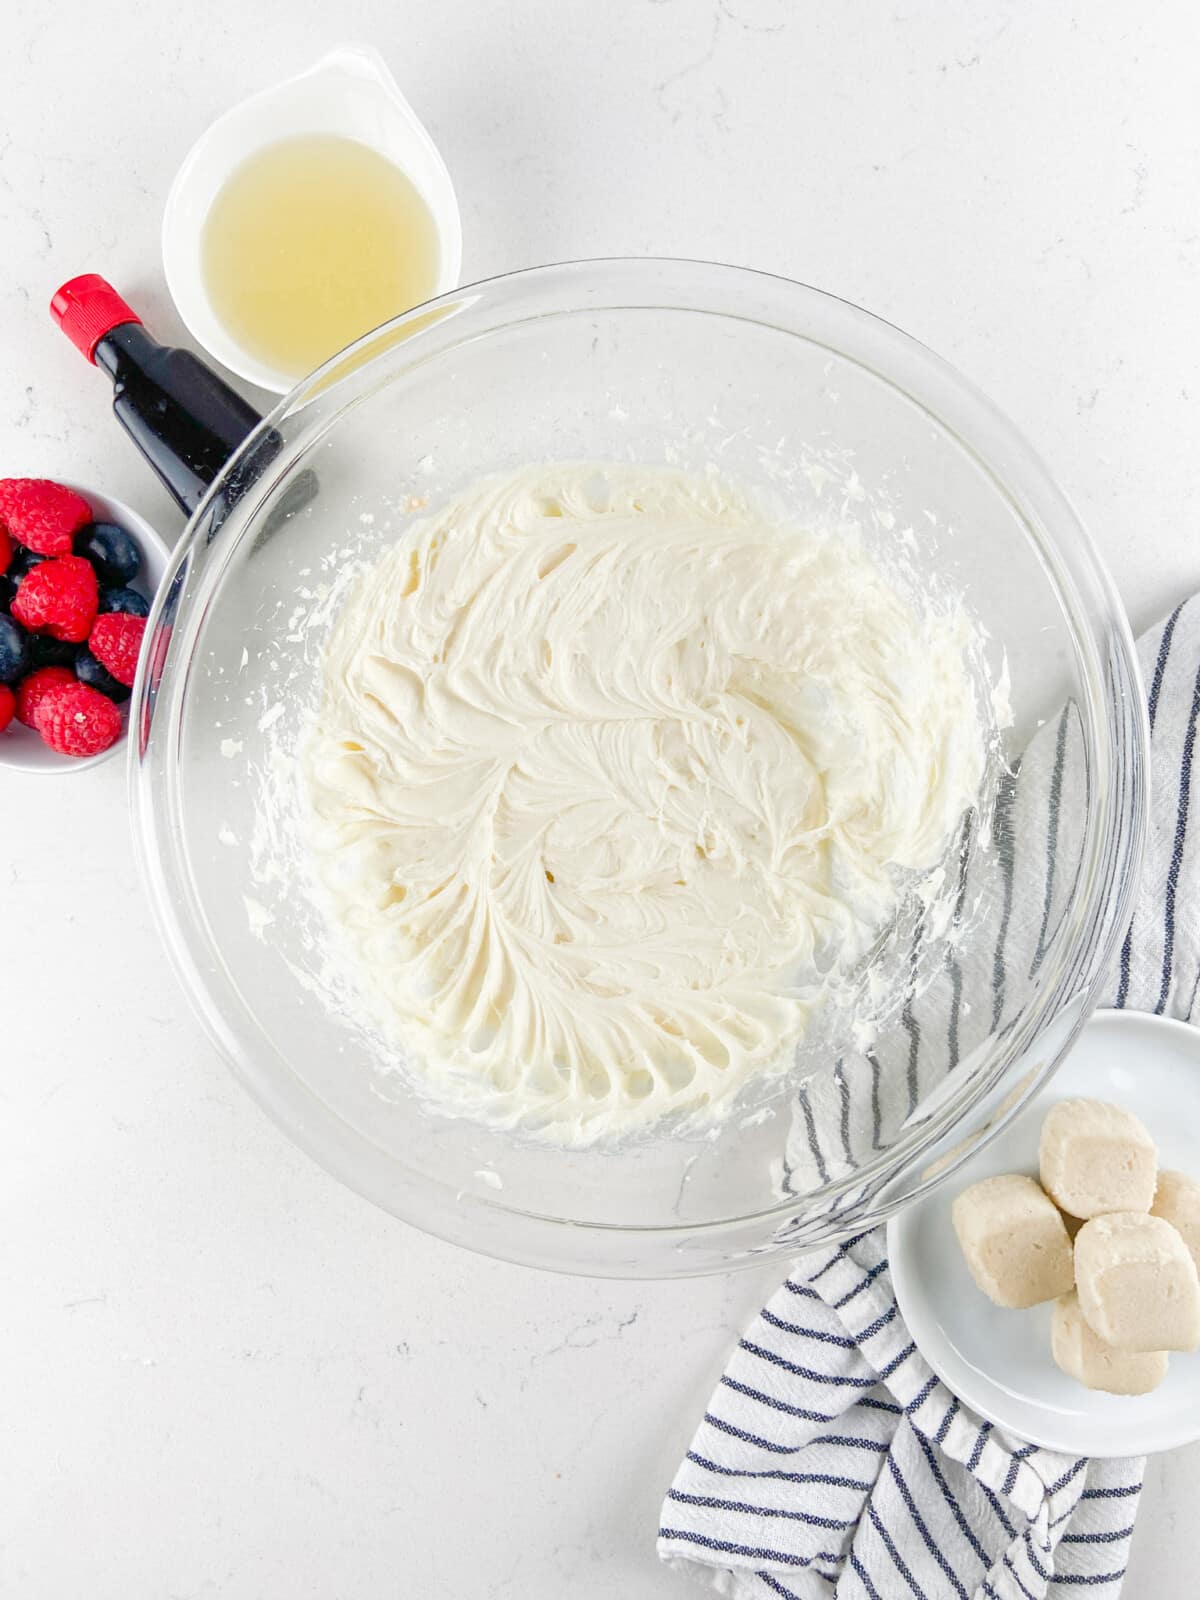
(7, 706)
(32, 690)
(42, 515)
(6, 551)
(115, 641)
(76, 720)
(58, 597)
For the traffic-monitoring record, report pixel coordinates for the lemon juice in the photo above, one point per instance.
(313, 241)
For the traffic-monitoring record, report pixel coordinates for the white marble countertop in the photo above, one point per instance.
(225, 1375)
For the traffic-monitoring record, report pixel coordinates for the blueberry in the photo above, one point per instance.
(113, 552)
(47, 652)
(127, 600)
(23, 561)
(14, 651)
(88, 670)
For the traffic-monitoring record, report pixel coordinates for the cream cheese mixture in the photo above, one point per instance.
(614, 776)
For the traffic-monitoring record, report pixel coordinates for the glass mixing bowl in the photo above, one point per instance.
(656, 362)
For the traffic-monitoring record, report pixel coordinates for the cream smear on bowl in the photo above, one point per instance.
(616, 776)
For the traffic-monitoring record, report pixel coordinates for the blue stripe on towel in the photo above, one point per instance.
(919, 1524)
(830, 1524)
(728, 1547)
(830, 1480)
(776, 1405)
(898, 1562)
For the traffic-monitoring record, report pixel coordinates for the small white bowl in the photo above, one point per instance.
(23, 750)
(349, 92)
(999, 1362)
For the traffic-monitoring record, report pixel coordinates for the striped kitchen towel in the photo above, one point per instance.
(831, 1464)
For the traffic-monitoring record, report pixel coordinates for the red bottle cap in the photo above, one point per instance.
(88, 307)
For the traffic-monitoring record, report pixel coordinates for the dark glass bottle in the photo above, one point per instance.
(184, 419)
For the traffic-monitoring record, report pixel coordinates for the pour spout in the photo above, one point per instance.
(357, 61)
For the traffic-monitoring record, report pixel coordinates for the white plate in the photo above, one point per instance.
(998, 1361)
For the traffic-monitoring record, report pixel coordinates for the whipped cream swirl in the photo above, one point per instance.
(615, 774)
